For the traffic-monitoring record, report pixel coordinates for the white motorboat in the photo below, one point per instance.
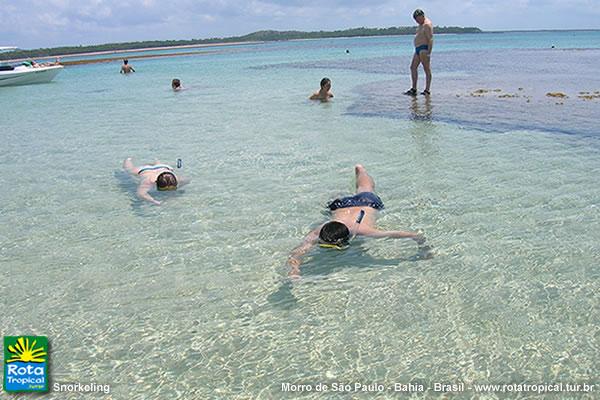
(27, 74)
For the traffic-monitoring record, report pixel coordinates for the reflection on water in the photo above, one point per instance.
(509, 91)
(420, 108)
(326, 263)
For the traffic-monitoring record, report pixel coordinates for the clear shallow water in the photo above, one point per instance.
(188, 300)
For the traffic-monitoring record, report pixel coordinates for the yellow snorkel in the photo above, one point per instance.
(163, 189)
(341, 246)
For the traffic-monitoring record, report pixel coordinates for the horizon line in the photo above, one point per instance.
(314, 31)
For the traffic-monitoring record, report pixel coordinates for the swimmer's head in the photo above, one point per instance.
(125, 61)
(334, 234)
(175, 83)
(419, 15)
(326, 82)
(166, 181)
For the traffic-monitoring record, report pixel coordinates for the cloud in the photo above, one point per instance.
(36, 23)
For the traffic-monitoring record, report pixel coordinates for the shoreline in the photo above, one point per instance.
(140, 57)
(99, 53)
(254, 42)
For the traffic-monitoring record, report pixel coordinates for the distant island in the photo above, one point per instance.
(260, 36)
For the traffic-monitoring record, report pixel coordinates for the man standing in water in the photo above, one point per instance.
(423, 47)
(350, 216)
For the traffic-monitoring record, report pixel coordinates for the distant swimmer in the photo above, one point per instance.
(423, 47)
(351, 216)
(154, 176)
(176, 84)
(324, 94)
(126, 68)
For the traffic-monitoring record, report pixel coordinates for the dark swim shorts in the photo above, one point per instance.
(363, 199)
(420, 48)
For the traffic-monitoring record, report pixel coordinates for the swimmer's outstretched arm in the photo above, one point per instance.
(142, 192)
(375, 233)
(295, 258)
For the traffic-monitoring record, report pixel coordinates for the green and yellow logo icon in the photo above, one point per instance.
(26, 363)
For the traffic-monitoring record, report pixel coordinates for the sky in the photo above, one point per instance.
(50, 23)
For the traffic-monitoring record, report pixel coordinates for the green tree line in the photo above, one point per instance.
(260, 36)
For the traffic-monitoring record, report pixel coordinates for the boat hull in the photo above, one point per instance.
(29, 76)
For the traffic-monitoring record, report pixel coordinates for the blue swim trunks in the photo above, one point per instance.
(420, 48)
(363, 199)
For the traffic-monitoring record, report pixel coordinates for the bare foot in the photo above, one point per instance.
(358, 168)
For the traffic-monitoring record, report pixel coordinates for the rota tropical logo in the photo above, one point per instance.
(26, 363)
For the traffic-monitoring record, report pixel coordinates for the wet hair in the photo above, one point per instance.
(166, 181)
(418, 12)
(334, 232)
(175, 83)
(125, 61)
(325, 81)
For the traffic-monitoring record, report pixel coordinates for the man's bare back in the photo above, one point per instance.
(346, 220)
(126, 68)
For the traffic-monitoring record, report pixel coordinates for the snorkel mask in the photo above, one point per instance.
(168, 180)
(343, 244)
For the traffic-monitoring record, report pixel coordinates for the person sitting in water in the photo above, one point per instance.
(50, 63)
(157, 175)
(351, 216)
(324, 93)
(126, 68)
(176, 84)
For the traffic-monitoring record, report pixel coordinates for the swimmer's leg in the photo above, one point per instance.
(426, 61)
(364, 183)
(128, 166)
(414, 71)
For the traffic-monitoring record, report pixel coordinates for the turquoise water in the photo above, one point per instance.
(189, 300)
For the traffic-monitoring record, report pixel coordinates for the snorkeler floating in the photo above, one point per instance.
(351, 216)
(157, 175)
(324, 93)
